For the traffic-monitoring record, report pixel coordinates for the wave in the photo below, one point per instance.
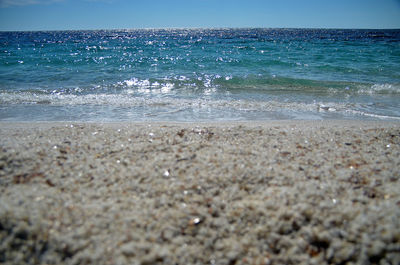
(240, 84)
(257, 83)
(193, 86)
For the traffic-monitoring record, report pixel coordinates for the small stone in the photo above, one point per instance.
(128, 249)
(376, 249)
(194, 221)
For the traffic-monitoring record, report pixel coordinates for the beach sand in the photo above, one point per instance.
(294, 192)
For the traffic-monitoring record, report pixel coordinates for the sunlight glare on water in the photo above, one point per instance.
(200, 74)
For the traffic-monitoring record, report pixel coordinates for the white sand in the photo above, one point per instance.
(297, 192)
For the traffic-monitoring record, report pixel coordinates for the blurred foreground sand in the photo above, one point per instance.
(296, 192)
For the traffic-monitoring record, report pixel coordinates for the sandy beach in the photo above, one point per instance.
(289, 192)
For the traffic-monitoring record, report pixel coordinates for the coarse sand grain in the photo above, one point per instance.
(295, 192)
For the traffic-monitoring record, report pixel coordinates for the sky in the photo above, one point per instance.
(17, 15)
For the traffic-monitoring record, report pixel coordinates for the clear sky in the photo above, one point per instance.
(125, 14)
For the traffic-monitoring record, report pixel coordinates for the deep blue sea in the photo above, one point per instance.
(200, 75)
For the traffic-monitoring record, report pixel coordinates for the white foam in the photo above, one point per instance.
(372, 115)
(381, 89)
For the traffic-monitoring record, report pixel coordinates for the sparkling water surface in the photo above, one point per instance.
(199, 75)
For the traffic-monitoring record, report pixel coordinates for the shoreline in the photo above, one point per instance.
(251, 123)
(273, 192)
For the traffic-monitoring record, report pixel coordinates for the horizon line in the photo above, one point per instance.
(194, 28)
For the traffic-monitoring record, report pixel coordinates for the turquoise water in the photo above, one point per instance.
(200, 75)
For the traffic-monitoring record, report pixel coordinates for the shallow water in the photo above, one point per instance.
(200, 74)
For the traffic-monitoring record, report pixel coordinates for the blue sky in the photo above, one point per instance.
(125, 14)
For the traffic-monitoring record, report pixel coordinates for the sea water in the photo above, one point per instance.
(200, 75)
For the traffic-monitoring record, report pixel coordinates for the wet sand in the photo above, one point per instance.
(294, 192)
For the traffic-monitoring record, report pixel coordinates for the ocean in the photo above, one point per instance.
(200, 75)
